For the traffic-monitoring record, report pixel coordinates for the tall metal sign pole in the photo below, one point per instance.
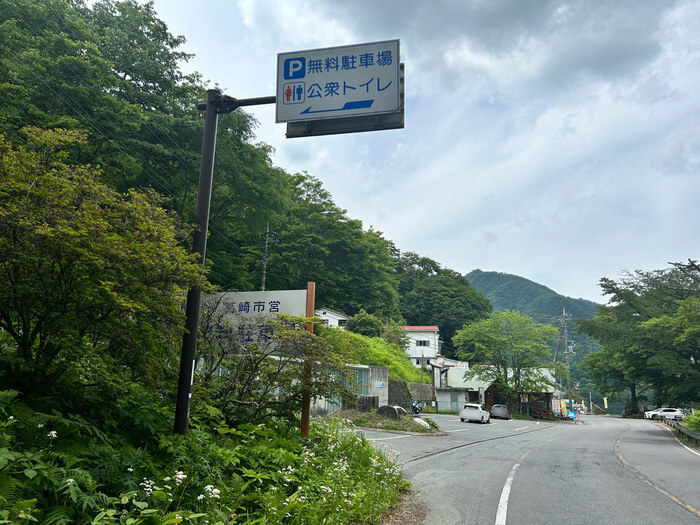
(216, 103)
(327, 91)
(194, 296)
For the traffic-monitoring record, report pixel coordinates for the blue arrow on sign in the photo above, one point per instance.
(356, 104)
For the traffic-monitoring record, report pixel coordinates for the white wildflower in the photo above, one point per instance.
(53, 434)
(212, 491)
(147, 486)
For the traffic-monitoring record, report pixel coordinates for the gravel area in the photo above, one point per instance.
(408, 511)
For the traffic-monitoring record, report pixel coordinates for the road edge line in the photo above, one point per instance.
(680, 442)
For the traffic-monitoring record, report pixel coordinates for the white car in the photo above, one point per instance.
(652, 414)
(475, 412)
(670, 413)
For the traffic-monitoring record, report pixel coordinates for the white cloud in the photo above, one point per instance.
(554, 140)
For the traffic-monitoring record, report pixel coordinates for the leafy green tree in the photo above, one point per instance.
(412, 268)
(509, 349)
(92, 280)
(365, 324)
(649, 332)
(396, 334)
(251, 382)
(606, 374)
(353, 268)
(446, 300)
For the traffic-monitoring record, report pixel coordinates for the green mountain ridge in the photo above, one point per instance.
(512, 292)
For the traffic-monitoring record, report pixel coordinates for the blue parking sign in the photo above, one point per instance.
(339, 82)
(294, 68)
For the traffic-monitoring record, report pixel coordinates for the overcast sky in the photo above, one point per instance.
(559, 141)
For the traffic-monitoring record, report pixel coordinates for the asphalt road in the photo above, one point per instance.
(601, 471)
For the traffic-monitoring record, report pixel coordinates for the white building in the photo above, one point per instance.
(423, 348)
(332, 318)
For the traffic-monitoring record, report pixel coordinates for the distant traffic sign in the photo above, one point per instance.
(338, 82)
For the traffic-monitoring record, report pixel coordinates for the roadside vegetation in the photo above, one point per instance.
(127, 467)
(650, 336)
(91, 318)
(373, 420)
(373, 351)
(692, 421)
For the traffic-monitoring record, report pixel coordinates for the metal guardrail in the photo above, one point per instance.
(691, 434)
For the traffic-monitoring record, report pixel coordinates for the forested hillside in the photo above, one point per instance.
(511, 292)
(544, 305)
(70, 66)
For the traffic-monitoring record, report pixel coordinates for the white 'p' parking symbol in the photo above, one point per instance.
(294, 68)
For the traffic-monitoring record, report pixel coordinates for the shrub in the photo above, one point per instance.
(56, 468)
(375, 351)
(692, 421)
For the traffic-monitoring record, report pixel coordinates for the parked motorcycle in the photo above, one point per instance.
(416, 407)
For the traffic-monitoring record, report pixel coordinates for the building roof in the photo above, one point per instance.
(421, 328)
(330, 310)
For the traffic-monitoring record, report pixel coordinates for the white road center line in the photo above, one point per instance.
(502, 511)
(460, 430)
(521, 428)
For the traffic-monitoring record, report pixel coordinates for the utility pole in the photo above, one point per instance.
(269, 237)
(264, 268)
(568, 349)
(422, 364)
(306, 373)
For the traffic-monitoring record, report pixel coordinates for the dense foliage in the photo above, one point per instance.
(650, 332)
(60, 468)
(92, 279)
(91, 317)
(431, 295)
(365, 324)
(318, 242)
(112, 70)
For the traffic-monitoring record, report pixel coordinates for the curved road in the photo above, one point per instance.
(602, 471)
